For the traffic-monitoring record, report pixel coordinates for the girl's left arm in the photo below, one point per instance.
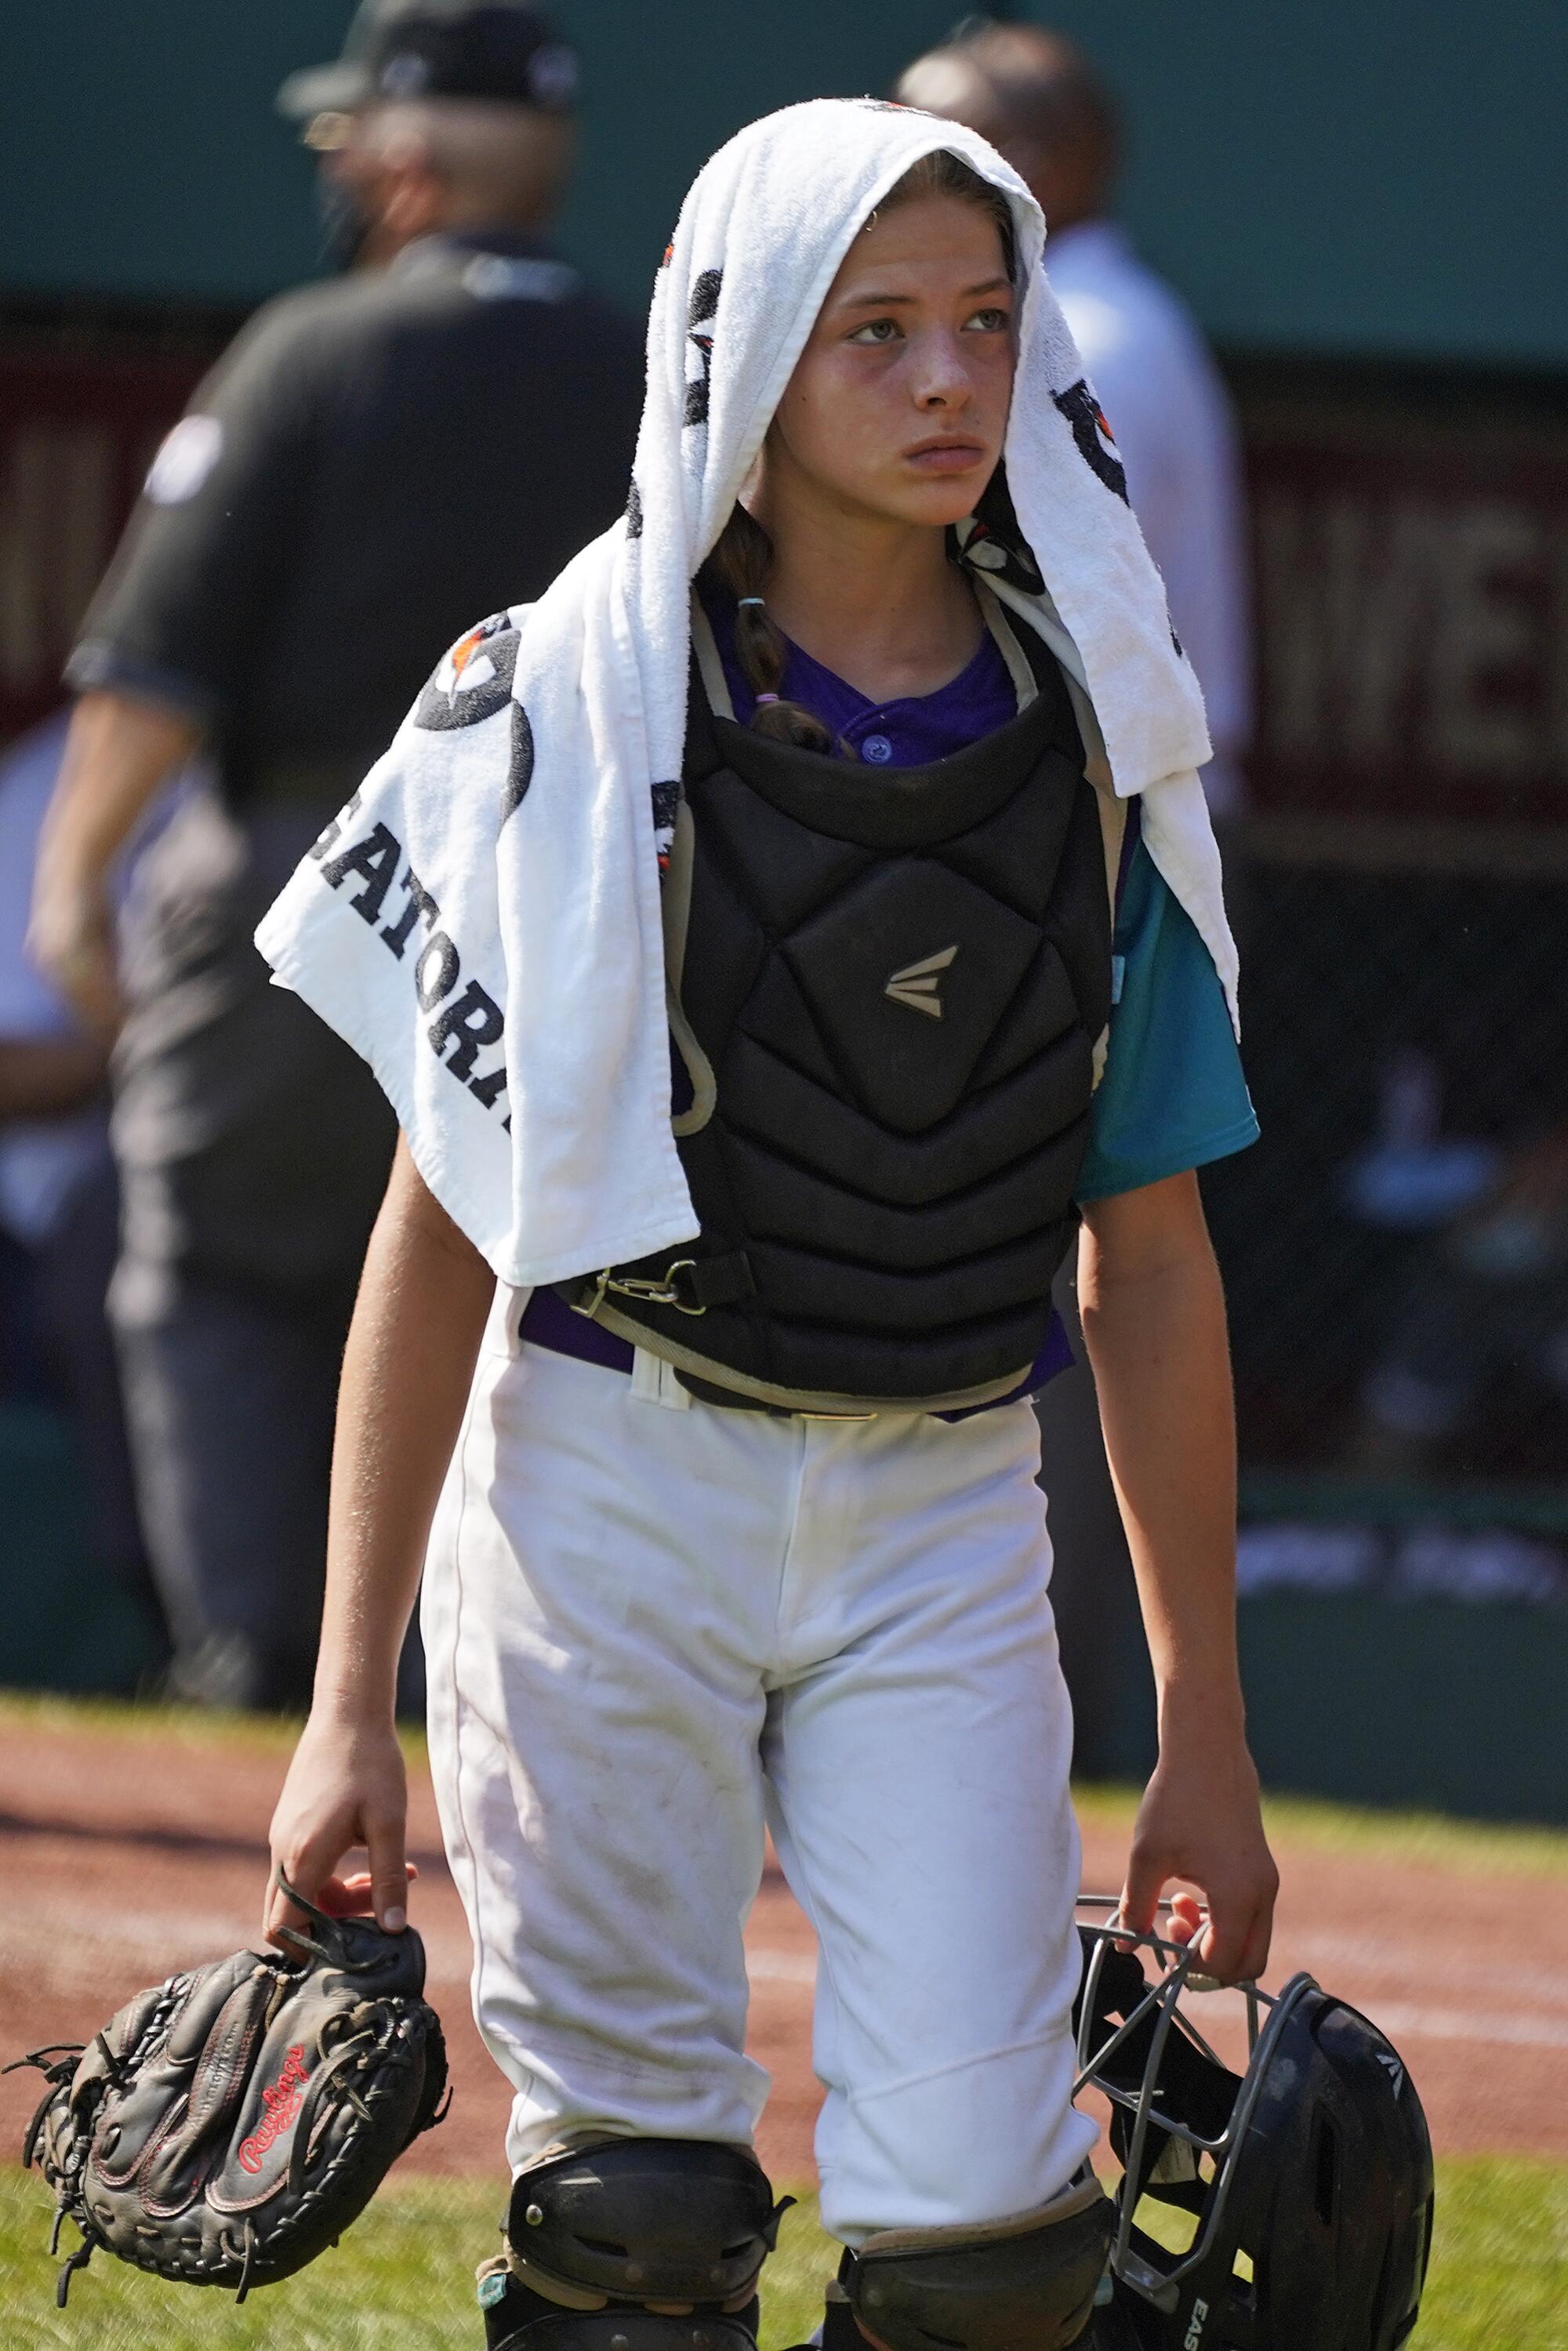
(1154, 1320)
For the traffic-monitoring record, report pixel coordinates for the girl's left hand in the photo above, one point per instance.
(1200, 1820)
(353, 1897)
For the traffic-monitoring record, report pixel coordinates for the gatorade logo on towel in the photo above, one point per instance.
(1096, 442)
(473, 680)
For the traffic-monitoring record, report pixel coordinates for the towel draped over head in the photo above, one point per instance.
(482, 922)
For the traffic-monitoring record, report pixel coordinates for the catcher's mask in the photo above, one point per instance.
(1305, 2183)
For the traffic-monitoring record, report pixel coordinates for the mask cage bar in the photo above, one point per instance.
(1177, 1976)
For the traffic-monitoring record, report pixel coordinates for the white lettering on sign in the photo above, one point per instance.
(1340, 588)
(1491, 708)
(1414, 631)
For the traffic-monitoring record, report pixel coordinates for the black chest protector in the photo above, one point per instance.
(886, 987)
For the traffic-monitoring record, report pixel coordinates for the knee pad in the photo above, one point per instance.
(1026, 2283)
(636, 2244)
(517, 2322)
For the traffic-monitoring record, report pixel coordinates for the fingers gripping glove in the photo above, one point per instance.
(227, 2125)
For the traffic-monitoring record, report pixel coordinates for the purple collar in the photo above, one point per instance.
(908, 733)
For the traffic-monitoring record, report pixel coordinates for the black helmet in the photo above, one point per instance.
(1308, 2179)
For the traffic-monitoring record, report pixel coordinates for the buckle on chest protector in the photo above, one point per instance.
(713, 1281)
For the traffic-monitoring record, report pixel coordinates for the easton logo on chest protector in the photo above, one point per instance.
(917, 984)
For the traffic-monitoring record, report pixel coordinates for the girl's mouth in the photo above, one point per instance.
(944, 456)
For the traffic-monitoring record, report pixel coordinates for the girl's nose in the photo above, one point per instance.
(944, 379)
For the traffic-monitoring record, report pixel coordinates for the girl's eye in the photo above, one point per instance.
(876, 330)
(991, 321)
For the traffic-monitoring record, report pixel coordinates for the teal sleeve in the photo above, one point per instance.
(1173, 1095)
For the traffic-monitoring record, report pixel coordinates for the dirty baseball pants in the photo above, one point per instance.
(652, 1626)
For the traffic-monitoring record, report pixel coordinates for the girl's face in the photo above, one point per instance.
(898, 405)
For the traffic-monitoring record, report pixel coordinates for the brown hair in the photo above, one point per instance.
(743, 551)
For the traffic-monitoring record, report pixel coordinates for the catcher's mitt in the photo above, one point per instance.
(226, 2126)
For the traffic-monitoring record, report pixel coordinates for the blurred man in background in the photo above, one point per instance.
(59, 1200)
(1038, 99)
(376, 464)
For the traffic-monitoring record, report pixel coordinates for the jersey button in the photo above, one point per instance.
(877, 749)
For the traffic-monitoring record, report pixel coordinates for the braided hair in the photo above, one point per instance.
(743, 551)
(739, 561)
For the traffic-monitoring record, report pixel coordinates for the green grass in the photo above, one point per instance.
(51, 1712)
(173, 1725)
(1428, 1837)
(1499, 2262)
(1431, 1838)
(401, 2281)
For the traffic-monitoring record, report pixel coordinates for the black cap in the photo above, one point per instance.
(440, 49)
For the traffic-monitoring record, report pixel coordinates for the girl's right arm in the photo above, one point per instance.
(424, 1297)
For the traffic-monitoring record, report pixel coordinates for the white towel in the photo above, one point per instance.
(483, 922)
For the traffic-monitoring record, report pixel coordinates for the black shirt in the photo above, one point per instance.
(372, 466)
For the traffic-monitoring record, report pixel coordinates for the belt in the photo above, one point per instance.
(549, 1323)
(730, 1400)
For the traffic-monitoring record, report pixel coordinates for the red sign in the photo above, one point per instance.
(1412, 612)
(78, 430)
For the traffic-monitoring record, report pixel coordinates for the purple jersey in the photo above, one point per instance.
(905, 733)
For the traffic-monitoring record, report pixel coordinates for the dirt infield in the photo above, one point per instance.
(124, 1855)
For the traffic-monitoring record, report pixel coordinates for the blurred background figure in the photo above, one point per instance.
(1038, 99)
(59, 1196)
(1477, 1347)
(376, 464)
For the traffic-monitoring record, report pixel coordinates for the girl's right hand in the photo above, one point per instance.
(346, 1786)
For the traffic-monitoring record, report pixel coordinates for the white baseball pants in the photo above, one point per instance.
(652, 1629)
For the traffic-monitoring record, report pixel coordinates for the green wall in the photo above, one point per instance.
(1376, 176)
(1370, 175)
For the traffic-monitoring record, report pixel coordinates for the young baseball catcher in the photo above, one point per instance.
(773, 942)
